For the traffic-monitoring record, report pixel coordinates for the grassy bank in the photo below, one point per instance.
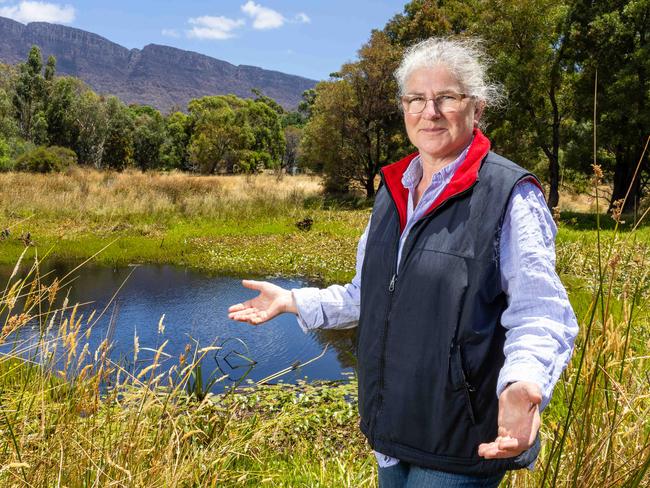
(87, 421)
(227, 225)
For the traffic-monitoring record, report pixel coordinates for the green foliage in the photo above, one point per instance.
(50, 68)
(174, 154)
(355, 127)
(230, 134)
(46, 159)
(91, 124)
(6, 162)
(29, 95)
(148, 136)
(612, 45)
(292, 137)
(62, 99)
(118, 144)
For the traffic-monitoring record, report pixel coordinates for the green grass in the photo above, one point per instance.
(60, 427)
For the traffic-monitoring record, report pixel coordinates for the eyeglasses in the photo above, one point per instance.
(445, 102)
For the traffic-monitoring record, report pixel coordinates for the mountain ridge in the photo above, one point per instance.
(162, 76)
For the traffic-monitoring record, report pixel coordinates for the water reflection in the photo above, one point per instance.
(194, 306)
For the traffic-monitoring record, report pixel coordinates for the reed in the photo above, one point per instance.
(70, 416)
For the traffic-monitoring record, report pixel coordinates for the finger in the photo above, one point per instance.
(238, 307)
(253, 316)
(499, 454)
(244, 315)
(253, 285)
(508, 444)
(484, 448)
(491, 450)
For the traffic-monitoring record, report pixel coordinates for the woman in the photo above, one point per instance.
(464, 326)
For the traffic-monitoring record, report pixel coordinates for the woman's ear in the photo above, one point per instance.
(478, 112)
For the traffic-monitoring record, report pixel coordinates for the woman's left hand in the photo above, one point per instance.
(518, 421)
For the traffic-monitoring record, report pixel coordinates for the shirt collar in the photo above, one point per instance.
(413, 173)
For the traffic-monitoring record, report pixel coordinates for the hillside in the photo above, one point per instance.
(161, 76)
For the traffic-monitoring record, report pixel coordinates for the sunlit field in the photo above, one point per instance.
(83, 420)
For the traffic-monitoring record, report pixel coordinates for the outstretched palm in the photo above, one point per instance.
(271, 301)
(518, 421)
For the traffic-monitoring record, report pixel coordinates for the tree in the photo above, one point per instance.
(268, 146)
(148, 136)
(50, 68)
(174, 151)
(292, 137)
(425, 18)
(118, 142)
(219, 129)
(60, 113)
(613, 42)
(29, 94)
(8, 126)
(89, 115)
(356, 126)
(531, 59)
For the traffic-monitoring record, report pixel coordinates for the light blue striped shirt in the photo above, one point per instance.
(541, 326)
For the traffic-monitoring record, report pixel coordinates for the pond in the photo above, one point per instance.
(194, 306)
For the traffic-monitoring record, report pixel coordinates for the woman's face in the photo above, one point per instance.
(440, 137)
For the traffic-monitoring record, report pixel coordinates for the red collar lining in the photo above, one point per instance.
(464, 177)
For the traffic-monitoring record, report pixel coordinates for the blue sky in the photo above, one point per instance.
(310, 38)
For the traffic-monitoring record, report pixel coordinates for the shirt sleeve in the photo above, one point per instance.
(334, 307)
(541, 325)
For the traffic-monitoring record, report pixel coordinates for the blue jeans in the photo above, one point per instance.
(404, 475)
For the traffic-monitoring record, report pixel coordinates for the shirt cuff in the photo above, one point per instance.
(308, 303)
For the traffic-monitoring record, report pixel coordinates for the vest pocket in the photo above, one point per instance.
(459, 381)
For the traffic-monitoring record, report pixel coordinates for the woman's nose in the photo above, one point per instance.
(431, 110)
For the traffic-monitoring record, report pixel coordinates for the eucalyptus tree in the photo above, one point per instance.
(174, 151)
(148, 136)
(29, 97)
(118, 141)
(219, 129)
(613, 54)
(355, 124)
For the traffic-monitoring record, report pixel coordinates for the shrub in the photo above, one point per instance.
(6, 162)
(46, 159)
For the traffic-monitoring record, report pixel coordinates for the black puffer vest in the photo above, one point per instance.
(430, 342)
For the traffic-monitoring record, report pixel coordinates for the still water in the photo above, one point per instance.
(195, 310)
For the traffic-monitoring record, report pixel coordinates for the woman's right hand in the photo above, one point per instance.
(271, 302)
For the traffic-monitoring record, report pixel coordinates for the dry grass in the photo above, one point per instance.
(133, 192)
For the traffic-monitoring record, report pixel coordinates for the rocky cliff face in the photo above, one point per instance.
(161, 76)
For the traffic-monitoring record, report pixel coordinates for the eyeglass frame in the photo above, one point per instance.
(463, 96)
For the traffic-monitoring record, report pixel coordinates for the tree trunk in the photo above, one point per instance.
(370, 186)
(554, 181)
(623, 173)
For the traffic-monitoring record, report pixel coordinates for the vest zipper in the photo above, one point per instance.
(382, 358)
(391, 291)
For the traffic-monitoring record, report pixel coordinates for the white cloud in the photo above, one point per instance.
(302, 18)
(170, 33)
(39, 12)
(263, 17)
(208, 27)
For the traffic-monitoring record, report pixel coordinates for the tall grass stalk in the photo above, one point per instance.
(74, 417)
(601, 420)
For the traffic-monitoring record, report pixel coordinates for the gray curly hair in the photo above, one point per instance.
(466, 60)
